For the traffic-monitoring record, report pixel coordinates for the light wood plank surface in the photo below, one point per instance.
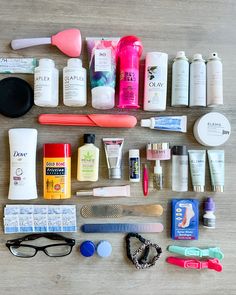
(168, 26)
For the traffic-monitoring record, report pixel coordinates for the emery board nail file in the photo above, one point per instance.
(122, 227)
(116, 211)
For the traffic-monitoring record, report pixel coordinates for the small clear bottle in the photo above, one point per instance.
(158, 176)
(179, 168)
(88, 160)
(46, 83)
(209, 218)
(74, 84)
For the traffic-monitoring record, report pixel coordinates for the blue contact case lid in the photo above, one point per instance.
(104, 249)
(87, 248)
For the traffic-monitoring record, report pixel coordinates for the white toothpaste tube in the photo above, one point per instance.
(17, 65)
(166, 123)
(109, 191)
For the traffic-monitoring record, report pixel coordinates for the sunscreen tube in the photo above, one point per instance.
(23, 142)
(109, 191)
(166, 123)
(216, 159)
(113, 149)
(197, 160)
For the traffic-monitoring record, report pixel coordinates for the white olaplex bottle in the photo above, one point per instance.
(74, 84)
(180, 80)
(179, 168)
(22, 164)
(46, 82)
(197, 81)
(155, 84)
(214, 81)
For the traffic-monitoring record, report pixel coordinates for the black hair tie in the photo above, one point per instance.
(140, 257)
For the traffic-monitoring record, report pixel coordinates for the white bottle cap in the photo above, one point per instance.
(181, 55)
(74, 62)
(146, 123)
(46, 62)
(134, 153)
(214, 55)
(198, 56)
(103, 97)
(157, 168)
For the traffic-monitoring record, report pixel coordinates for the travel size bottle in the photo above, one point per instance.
(74, 84)
(88, 160)
(197, 81)
(46, 83)
(214, 81)
(209, 218)
(155, 85)
(179, 168)
(180, 80)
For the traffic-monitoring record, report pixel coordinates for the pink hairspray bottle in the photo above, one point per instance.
(130, 50)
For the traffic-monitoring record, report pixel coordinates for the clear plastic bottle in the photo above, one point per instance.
(158, 176)
(179, 168)
(74, 84)
(46, 82)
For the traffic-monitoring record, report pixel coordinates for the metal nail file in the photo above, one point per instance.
(122, 227)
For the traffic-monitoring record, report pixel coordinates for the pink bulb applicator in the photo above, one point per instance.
(67, 41)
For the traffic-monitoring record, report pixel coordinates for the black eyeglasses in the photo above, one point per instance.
(63, 247)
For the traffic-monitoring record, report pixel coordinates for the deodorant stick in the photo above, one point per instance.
(155, 85)
(197, 81)
(214, 81)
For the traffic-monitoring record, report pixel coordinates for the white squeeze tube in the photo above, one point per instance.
(109, 191)
(23, 143)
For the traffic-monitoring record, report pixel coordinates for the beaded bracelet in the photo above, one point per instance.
(140, 257)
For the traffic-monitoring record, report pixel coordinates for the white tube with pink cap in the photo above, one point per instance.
(109, 191)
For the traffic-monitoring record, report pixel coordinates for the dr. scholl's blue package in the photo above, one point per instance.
(185, 219)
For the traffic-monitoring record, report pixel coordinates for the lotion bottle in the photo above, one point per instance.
(46, 83)
(214, 81)
(88, 160)
(197, 81)
(155, 84)
(23, 142)
(180, 80)
(74, 84)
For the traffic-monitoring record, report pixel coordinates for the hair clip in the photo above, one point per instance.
(196, 264)
(140, 257)
(194, 251)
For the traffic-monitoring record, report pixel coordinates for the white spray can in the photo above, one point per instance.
(197, 81)
(214, 81)
(74, 83)
(180, 80)
(155, 84)
(23, 142)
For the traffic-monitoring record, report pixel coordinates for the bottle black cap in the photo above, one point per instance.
(89, 138)
(16, 97)
(179, 150)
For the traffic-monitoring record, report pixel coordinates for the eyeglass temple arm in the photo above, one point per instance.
(51, 236)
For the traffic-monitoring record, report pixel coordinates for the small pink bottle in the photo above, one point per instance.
(130, 50)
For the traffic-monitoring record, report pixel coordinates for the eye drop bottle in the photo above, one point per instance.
(214, 81)
(197, 82)
(179, 169)
(180, 80)
(74, 84)
(46, 83)
(23, 142)
(155, 85)
(88, 160)
(209, 218)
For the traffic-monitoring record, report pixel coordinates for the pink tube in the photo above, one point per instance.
(129, 52)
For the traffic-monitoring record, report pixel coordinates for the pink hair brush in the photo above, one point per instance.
(67, 41)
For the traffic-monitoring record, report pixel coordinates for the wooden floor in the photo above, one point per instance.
(168, 26)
